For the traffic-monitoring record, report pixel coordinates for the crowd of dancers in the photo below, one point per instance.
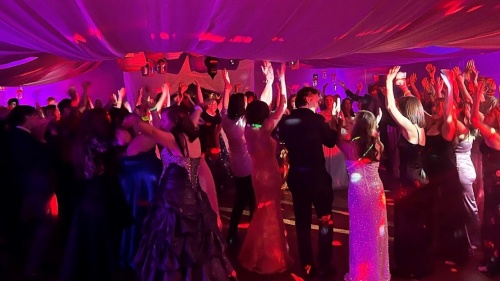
(136, 188)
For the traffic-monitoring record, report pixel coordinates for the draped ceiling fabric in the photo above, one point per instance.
(321, 33)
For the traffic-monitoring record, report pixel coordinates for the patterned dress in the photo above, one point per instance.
(181, 240)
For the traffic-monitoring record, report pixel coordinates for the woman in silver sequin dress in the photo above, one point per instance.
(368, 231)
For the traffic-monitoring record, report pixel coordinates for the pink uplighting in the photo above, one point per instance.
(244, 225)
(212, 37)
(95, 32)
(79, 38)
(241, 39)
(164, 36)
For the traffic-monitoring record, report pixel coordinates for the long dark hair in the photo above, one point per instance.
(257, 112)
(182, 124)
(362, 134)
(342, 105)
(236, 106)
(92, 153)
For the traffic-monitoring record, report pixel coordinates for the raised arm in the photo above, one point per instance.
(267, 93)
(199, 93)
(349, 93)
(196, 115)
(84, 101)
(121, 96)
(273, 120)
(227, 90)
(449, 127)
(390, 103)
(165, 96)
(162, 138)
(461, 85)
(491, 136)
(413, 81)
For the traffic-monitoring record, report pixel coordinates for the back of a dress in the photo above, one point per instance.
(180, 234)
(368, 230)
(265, 249)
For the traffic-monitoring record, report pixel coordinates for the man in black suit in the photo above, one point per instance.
(30, 189)
(304, 133)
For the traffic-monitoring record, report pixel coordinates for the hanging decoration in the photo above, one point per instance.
(211, 64)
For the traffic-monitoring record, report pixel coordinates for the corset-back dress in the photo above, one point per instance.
(181, 240)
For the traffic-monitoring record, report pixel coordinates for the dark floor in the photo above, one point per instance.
(442, 271)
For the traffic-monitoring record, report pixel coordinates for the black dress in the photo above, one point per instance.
(449, 211)
(100, 215)
(490, 230)
(412, 238)
(139, 177)
(181, 240)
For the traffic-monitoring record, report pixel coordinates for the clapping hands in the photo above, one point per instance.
(267, 69)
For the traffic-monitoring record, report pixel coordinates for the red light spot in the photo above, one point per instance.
(277, 39)
(474, 8)
(296, 278)
(244, 225)
(392, 28)
(78, 38)
(54, 206)
(336, 243)
(212, 37)
(95, 32)
(343, 36)
(452, 7)
(241, 39)
(361, 34)
(164, 36)
(153, 36)
(404, 26)
(363, 269)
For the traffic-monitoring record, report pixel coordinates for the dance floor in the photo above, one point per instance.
(443, 272)
(340, 262)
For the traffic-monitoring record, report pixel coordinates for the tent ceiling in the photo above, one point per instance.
(325, 33)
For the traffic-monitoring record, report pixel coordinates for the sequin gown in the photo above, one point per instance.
(181, 240)
(265, 249)
(368, 231)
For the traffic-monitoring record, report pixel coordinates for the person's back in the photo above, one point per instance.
(304, 133)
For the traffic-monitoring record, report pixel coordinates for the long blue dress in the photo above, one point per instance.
(139, 177)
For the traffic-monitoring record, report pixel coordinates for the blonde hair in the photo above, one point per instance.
(411, 108)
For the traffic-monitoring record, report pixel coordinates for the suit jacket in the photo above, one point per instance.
(31, 173)
(304, 134)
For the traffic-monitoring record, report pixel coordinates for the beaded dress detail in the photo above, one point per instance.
(368, 233)
(181, 240)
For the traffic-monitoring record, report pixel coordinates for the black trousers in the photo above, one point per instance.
(312, 187)
(412, 233)
(244, 197)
